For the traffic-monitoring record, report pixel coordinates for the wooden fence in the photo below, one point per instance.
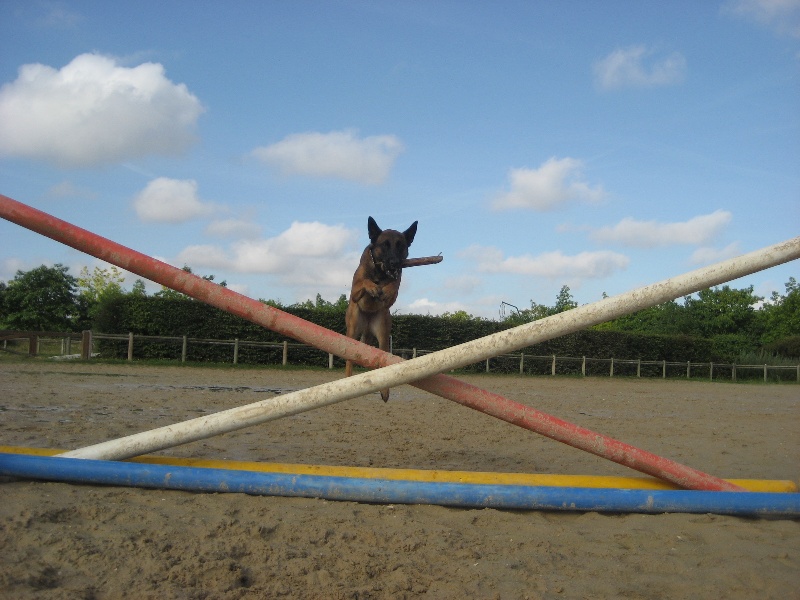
(527, 363)
(625, 367)
(35, 339)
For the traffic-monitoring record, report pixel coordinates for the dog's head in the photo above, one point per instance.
(389, 247)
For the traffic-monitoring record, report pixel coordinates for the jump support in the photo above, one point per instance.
(423, 371)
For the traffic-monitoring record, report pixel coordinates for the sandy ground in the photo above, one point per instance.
(73, 541)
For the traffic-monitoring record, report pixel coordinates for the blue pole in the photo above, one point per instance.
(516, 497)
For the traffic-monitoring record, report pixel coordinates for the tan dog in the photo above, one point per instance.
(376, 283)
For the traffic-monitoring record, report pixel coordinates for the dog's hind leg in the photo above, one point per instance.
(382, 328)
(352, 325)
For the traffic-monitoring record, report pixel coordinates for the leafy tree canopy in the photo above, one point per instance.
(100, 284)
(321, 304)
(564, 302)
(782, 313)
(42, 299)
(722, 311)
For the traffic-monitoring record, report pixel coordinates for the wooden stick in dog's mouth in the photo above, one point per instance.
(425, 260)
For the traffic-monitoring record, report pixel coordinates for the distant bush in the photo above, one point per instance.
(787, 348)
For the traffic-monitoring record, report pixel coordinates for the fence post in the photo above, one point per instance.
(521, 363)
(611, 372)
(765, 373)
(688, 369)
(487, 365)
(130, 346)
(733, 372)
(69, 345)
(798, 373)
(583, 367)
(285, 353)
(183, 349)
(86, 345)
(235, 351)
(330, 360)
(639, 367)
(663, 369)
(413, 353)
(711, 371)
(553, 368)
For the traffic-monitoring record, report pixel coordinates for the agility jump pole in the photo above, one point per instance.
(355, 489)
(398, 372)
(423, 475)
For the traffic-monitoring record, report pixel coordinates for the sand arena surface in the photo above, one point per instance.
(73, 541)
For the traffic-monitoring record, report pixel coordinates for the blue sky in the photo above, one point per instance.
(599, 145)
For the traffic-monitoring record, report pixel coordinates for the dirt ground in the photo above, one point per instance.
(77, 541)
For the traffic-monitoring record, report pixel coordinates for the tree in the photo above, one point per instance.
(667, 318)
(459, 316)
(321, 304)
(723, 311)
(3, 289)
(564, 301)
(43, 299)
(139, 288)
(170, 293)
(100, 285)
(781, 316)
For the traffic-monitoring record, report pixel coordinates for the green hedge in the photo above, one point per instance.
(165, 316)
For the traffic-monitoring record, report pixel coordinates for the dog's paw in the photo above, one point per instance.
(377, 293)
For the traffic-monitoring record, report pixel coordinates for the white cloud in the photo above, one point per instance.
(633, 67)
(462, 284)
(240, 288)
(782, 16)
(233, 228)
(10, 266)
(650, 234)
(554, 183)
(308, 254)
(166, 200)
(58, 16)
(707, 255)
(67, 189)
(338, 154)
(94, 112)
(552, 265)
(203, 256)
(424, 306)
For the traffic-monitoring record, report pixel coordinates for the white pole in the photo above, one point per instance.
(468, 353)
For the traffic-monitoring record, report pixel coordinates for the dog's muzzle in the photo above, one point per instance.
(392, 269)
(393, 273)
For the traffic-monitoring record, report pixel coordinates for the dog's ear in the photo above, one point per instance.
(373, 229)
(410, 233)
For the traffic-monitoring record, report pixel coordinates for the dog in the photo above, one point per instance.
(376, 284)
